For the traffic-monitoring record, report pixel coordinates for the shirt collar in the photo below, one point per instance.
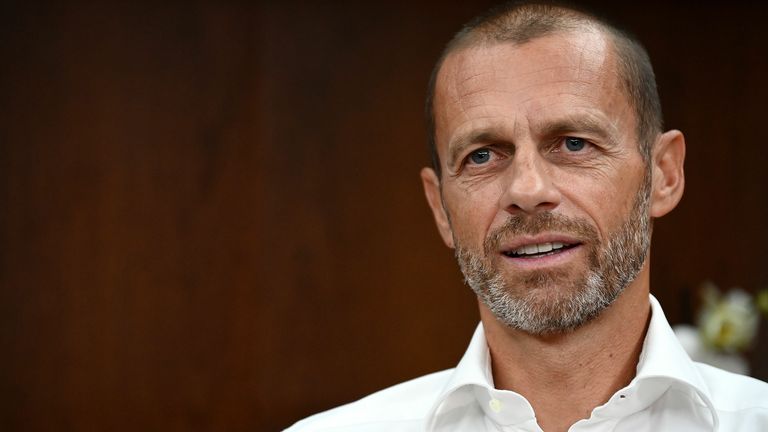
(663, 364)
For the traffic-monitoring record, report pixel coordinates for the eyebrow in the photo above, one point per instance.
(458, 145)
(577, 124)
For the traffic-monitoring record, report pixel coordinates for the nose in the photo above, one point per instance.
(529, 188)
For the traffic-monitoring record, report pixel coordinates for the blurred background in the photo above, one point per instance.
(211, 216)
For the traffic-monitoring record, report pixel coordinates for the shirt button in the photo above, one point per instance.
(495, 405)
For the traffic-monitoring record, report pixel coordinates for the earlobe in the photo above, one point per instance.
(432, 192)
(667, 160)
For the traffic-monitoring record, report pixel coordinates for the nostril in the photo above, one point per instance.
(518, 207)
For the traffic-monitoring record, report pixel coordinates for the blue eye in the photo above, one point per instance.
(480, 156)
(574, 144)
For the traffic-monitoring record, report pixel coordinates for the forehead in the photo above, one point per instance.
(558, 74)
(589, 50)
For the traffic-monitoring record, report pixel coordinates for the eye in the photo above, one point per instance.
(480, 156)
(574, 144)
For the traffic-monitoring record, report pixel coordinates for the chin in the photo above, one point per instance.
(549, 304)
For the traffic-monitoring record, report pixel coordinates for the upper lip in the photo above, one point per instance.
(520, 241)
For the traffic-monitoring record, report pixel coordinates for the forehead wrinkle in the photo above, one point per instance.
(476, 71)
(458, 71)
(520, 76)
(475, 100)
(581, 79)
(474, 76)
(460, 100)
(472, 83)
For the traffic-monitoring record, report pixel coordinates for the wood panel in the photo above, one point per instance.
(211, 218)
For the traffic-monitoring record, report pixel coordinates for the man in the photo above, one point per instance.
(549, 167)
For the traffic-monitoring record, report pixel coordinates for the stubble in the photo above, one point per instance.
(555, 301)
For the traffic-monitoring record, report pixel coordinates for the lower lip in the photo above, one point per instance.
(543, 261)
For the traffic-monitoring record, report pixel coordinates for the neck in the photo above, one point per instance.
(565, 376)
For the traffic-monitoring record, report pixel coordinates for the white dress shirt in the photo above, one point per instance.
(670, 392)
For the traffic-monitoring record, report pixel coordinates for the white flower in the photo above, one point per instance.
(691, 341)
(727, 323)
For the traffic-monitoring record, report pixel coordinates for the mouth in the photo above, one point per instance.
(537, 250)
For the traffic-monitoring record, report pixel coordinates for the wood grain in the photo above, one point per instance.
(211, 218)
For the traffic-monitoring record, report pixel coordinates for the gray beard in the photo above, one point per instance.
(547, 302)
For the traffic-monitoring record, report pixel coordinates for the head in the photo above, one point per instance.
(548, 163)
(520, 22)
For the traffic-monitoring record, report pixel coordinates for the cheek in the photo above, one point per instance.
(472, 212)
(605, 200)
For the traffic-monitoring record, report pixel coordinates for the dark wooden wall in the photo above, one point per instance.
(211, 218)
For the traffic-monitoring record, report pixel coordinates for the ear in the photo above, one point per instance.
(432, 191)
(667, 158)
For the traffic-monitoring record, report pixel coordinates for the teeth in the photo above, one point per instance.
(537, 248)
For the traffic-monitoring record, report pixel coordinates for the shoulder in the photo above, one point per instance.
(400, 407)
(740, 401)
(730, 391)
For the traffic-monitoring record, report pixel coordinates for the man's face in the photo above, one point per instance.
(543, 184)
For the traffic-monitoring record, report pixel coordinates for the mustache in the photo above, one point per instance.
(517, 225)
